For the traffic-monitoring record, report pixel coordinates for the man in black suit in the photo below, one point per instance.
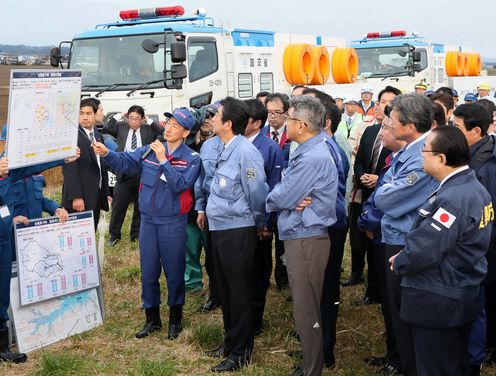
(85, 180)
(370, 159)
(136, 132)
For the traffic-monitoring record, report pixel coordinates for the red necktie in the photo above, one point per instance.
(275, 136)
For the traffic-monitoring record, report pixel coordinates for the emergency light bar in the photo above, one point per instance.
(386, 34)
(133, 14)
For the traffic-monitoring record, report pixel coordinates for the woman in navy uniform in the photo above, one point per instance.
(165, 198)
(443, 262)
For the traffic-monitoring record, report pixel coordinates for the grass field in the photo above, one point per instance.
(111, 349)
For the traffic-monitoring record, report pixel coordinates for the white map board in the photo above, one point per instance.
(43, 116)
(56, 259)
(44, 323)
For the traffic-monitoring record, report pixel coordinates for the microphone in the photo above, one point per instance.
(149, 150)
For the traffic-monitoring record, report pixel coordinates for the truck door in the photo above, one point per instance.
(207, 80)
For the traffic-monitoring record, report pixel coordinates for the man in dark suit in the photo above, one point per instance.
(369, 161)
(85, 180)
(136, 132)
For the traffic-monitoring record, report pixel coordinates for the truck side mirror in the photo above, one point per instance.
(416, 67)
(416, 56)
(55, 57)
(178, 52)
(178, 71)
(150, 46)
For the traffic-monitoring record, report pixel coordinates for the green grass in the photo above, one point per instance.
(60, 365)
(154, 368)
(112, 348)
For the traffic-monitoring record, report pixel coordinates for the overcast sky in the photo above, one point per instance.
(468, 23)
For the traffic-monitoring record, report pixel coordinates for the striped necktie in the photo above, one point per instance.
(134, 140)
(275, 136)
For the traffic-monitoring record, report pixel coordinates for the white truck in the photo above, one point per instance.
(160, 59)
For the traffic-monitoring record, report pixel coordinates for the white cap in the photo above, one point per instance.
(349, 99)
(367, 90)
(338, 96)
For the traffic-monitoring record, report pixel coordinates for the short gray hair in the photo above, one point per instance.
(310, 110)
(414, 109)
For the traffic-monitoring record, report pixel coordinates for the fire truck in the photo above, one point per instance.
(161, 59)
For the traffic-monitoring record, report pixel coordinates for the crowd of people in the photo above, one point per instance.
(408, 177)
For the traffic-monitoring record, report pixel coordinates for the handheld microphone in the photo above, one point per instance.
(149, 150)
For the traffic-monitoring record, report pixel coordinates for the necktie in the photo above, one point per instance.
(275, 136)
(92, 137)
(387, 161)
(376, 151)
(134, 141)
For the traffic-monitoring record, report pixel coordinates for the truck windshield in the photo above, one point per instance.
(385, 61)
(119, 61)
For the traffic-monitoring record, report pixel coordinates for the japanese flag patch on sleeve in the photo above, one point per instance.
(444, 217)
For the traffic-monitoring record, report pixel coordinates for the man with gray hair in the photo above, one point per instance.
(406, 187)
(306, 200)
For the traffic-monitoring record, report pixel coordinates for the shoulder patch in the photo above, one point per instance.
(444, 217)
(251, 173)
(412, 178)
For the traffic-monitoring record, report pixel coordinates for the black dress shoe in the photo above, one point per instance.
(113, 242)
(354, 280)
(389, 370)
(228, 365)
(376, 361)
(152, 324)
(209, 306)
(218, 352)
(298, 371)
(365, 301)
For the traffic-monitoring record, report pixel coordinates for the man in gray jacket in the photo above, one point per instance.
(306, 199)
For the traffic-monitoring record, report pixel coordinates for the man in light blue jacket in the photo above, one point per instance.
(235, 209)
(405, 189)
(306, 199)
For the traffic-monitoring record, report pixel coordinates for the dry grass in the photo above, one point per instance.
(112, 349)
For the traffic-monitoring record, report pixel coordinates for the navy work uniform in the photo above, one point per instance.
(235, 208)
(165, 198)
(280, 137)
(406, 187)
(209, 153)
(442, 266)
(273, 161)
(7, 248)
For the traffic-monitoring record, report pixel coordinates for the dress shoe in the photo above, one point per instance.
(209, 306)
(354, 280)
(113, 242)
(228, 365)
(152, 324)
(298, 371)
(376, 361)
(218, 352)
(389, 370)
(364, 301)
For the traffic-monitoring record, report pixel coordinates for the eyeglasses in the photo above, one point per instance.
(295, 119)
(429, 151)
(275, 113)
